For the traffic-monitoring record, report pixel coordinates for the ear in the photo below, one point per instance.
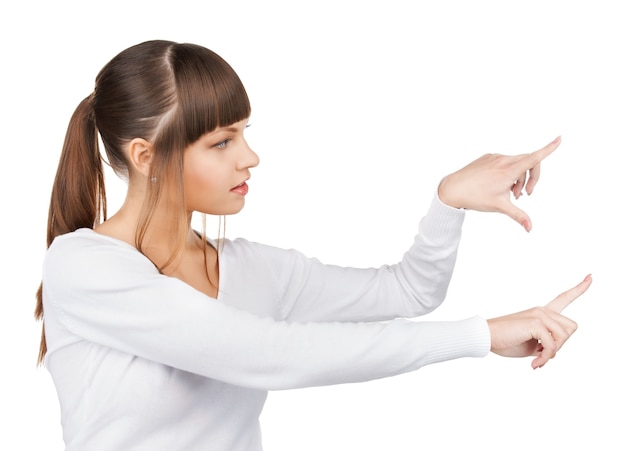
(140, 154)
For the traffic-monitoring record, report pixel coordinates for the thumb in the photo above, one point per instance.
(517, 214)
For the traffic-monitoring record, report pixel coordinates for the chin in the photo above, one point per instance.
(221, 211)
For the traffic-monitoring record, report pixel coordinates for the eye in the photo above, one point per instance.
(222, 144)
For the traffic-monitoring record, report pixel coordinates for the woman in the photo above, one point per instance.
(159, 338)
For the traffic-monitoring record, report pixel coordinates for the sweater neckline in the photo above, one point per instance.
(121, 243)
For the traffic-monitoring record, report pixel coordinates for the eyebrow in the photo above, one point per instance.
(215, 134)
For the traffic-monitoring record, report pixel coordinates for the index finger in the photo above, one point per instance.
(534, 158)
(564, 299)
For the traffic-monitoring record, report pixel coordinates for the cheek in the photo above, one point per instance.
(198, 180)
(205, 181)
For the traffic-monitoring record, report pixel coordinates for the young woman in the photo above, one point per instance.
(157, 337)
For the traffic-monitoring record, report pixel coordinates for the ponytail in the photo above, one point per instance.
(78, 194)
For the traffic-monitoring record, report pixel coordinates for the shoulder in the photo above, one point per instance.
(85, 252)
(85, 241)
(281, 265)
(242, 248)
(85, 237)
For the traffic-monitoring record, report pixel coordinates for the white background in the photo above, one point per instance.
(359, 108)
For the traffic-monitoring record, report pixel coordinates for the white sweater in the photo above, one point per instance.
(142, 361)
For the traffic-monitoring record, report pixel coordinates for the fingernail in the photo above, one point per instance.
(558, 139)
(526, 225)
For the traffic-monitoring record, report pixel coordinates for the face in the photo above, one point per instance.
(216, 168)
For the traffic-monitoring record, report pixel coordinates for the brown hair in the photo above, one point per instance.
(167, 93)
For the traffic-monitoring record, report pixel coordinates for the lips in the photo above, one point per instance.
(241, 189)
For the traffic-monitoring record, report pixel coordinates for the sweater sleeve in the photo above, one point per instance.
(312, 291)
(113, 296)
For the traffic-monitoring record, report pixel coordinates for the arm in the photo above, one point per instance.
(419, 283)
(113, 296)
(312, 291)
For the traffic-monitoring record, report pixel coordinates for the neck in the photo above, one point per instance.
(183, 255)
(159, 240)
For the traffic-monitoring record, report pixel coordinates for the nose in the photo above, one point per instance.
(249, 159)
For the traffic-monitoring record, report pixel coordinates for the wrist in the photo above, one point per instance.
(446, 193)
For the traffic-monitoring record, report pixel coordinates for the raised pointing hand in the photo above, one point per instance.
(486, 184)
(540, 331)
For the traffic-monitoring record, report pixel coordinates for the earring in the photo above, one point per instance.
(153, 179)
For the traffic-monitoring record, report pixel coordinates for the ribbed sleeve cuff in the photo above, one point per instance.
(455, 339)
(441, 221)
